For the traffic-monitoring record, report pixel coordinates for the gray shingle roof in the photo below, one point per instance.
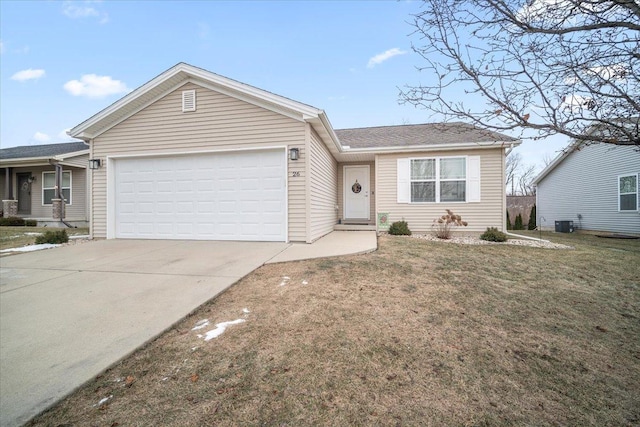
(47, 150)
(422, 134)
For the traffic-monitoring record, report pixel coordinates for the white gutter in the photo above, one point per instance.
(457, 146)
(526, 237)
(509, 150)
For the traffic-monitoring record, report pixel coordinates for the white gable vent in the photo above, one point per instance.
(188, 100)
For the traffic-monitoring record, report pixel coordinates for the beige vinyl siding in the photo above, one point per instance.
(297, 215)
(323, 194)
(372, 192)
(489, 212)
(76, 211)
(220, 122)
(77, 161)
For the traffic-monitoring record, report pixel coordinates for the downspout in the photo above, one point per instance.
(509, 150)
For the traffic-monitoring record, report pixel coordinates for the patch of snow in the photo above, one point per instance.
(165, 378)
(220, 328)
(194, 348)
(79, 236)
(285, 280)
(31, 248)
(103, 401)
(304, 282)
(33, 234)
(246, 311)
(200, 324)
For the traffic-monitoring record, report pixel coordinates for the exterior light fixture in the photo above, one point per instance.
(31, 179)
(94, 163)
(294, 154)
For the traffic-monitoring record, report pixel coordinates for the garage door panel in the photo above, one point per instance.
(230, 196)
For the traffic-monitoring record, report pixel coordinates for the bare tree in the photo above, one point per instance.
(525, 180)
(519, 176)
(512, 165)
(542, 67)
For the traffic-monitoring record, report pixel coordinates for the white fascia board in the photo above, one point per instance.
(332, 134)
(237, 86)
(437, 147)
(62, 157)
(79, 131)
(25, 161)
(551, 166)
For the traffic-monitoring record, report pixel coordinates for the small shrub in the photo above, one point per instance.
(532, 219)
(493, 235)
(54, 237)
(400, 228)
(518, 225)
(12, 221)
(30, 223)
(509, 227)
(442, 226)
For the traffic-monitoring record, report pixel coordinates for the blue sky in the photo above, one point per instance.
(62, 62)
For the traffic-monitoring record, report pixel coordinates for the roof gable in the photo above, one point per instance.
(176, 77)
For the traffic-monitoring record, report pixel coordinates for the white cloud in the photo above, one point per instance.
(381, 57)
(63, 134)
(41, 137)
(80, 10)
(578, 102)
(29, 74)
(94, 86)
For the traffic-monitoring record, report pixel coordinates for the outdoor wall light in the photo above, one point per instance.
(94, 163)
(294, 154)
(31, 179)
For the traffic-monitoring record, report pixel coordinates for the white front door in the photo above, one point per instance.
(356, 192)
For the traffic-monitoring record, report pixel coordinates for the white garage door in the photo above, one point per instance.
(223, 196)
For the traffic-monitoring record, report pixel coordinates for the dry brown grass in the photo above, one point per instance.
(15, 237)
(417, 333)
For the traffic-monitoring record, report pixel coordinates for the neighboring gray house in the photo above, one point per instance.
(31, 176)
(595, 186)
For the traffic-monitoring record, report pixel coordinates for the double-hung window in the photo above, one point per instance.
(628, 192)
(438, 180)
(49, 187)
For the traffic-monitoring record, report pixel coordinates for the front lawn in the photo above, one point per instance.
(417, 333)
(15, 237)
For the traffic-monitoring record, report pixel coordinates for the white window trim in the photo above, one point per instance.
(637, 192)
(67, 202)
(438, 180)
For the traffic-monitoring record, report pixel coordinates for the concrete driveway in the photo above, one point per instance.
(69, 313)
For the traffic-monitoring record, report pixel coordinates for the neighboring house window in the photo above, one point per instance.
(49, 187)
(438, 180)
(628, 192)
